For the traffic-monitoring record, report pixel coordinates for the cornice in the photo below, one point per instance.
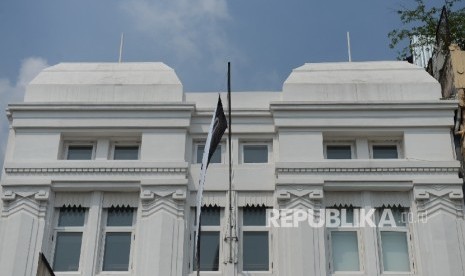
(367, 106)
(341, 170)
(78, 170)
(167, 106)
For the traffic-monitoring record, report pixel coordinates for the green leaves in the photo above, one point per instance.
(422, 21)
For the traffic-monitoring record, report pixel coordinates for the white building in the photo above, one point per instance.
(101, 172)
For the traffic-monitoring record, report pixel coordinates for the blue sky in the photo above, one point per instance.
(263, 39)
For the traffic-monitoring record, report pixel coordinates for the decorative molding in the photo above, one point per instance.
(39, 195)
(436, 198)
(390, 199)
(170, 199)
(369, 170)
(210, 198)
(255, 199)
(95, 170)
(72, 199)
(296, 196)
(120, 199)
(343, 199)
(25, 199)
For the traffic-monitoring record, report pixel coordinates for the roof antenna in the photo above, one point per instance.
(121, 47)
(348, 46)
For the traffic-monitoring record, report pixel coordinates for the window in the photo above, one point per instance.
(68, 238)
(255, 240)
(209, 239)
(216, 157)
(117, 239)
(255, 153)
(338, 151)
(385, 152)
(345, 244)
(126, 152)
(79, 152)
(393, 241)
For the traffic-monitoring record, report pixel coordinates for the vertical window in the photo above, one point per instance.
(117, 239)
(209, 239)
(216, 157)
(345, 244)
(393, 240)
(338, 152)
(68, 233)
(255, 240)
(385, 152)
(79, 152)
(255, 153)
(126, 152)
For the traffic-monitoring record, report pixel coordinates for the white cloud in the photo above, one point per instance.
(11, 93)
(191, 29)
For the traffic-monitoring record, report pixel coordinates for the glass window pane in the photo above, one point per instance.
(385, 152)
(255, 154)
(80, 152)
(71, 217)
(254, 216)
(395, 251)
(120, 216)
(216, 157)
(67, 251)
(255, 251)
(126, 153)
(117, 249)
(209, 251)
(400, 216)
(210, 216)
(345, 251)
(338, 152)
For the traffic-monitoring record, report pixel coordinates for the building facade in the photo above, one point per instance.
(102, 167)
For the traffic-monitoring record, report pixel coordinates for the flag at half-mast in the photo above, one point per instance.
(218, 126)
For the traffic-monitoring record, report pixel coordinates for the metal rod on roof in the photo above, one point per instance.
(230, 166)
(121, 47)
(348, 46)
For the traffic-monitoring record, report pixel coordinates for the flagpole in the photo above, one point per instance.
(230, 166)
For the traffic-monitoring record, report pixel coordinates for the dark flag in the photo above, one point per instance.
(217, 128)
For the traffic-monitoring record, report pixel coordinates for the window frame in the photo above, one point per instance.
(202, 143)
(256, 143)
(351, 143)
(253, 228)
(206, 228)
(124, 144)
(116, 229)
(68, 229)
(67, 144)
(394, 142)
(402, 229)
(360, 245)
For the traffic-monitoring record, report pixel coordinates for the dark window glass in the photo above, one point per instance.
(209, 251)
(126, 153)
(254, 216)
(71, 217)
(210, 216)
(385, 152)
(338, 152)
(255, 154)
(117, 249)
(67, 251)
(255, 251)
(80, 152)
(120, 216)
(216, 157)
